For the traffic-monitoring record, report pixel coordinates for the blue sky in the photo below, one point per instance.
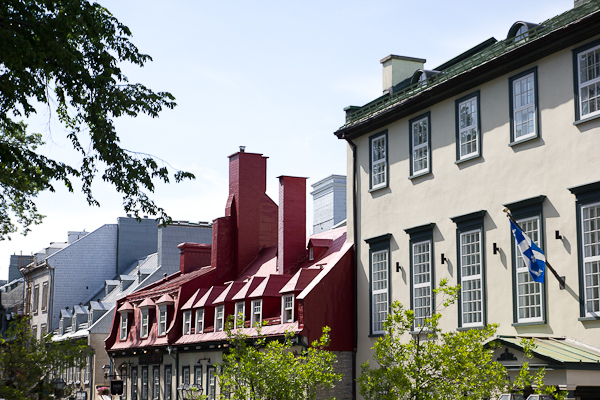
(270, 75)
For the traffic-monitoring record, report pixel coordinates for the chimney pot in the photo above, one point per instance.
(242, 149)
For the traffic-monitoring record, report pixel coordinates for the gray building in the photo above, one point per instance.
(329, 202)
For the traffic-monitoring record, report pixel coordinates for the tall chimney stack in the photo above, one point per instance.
(291, 241)
(398, 68)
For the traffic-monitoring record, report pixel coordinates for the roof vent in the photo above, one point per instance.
(242, 149)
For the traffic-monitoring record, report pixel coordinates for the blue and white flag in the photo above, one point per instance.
(533, 257)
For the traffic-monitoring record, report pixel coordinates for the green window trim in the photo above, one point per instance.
(457, 103)
(584, 194)
(464, 224)
(419, 234)
(427, 116)
(522, 209)
(536, 117)
(386, 183)
(576, 98)
(378, 244)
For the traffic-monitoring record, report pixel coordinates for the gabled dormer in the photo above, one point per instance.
(125, 319)
(206, 306)
(64, 325)
(147, 308)
(165, 308)
(317, 247)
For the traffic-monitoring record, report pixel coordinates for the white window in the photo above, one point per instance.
(123, 335)
(588, 67)
(162, 320)
(379, 290)
(471, 287)
(36, 299)
(219, 318)
(44, 296)
(420, 146)
(256, 312)
(378, 162)
(590, 223)
(187, 322)
(311, 253)
(212, 383)
(145, 321)
(468, 131)
(421, 282)
(200, 320)
(524, 124)
(529, 292)
(185, 376)
(240, 314)
(287, 308)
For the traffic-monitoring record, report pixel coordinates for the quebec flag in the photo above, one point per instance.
(533, 257)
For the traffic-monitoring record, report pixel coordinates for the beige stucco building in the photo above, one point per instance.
(512, 123)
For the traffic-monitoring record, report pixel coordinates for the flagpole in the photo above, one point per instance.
(560, 279)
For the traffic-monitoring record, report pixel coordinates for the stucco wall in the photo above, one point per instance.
(563, 156)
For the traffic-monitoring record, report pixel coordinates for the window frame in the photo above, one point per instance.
(187, 323)
(379, 245)
(134, 383)
(144, 393)
(199, 321)
(256, 320)
(587, 195)
(477, 125)
(184, 369)
(237, 313)
(156, 382)
(123, 373)
(372, 139)
(211, 387)
(168, 386)
(577, 85)
(414, 174)
(123, 329)
(285, 309)
(144, 326)
(35, 299)
(219, 320)
(418, 236)
(523, 210)
(468, 224)
(536, 117)
(45, 292)
(162, 324)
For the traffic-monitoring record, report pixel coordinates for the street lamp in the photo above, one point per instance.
(59, 386)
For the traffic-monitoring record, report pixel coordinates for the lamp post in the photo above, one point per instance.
(59, 386)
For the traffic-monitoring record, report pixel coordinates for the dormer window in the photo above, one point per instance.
(219, 318)
(287, 308)
(123, 335)
(256, 311)
(145, 322)
(421, 76)
(61, 326)
(200, 321)
(187, 322)
(240, 314)
(520, 30)
(162, 320)
(311, 253)
(74, 323)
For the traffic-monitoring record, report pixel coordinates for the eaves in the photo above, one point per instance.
(557, 40)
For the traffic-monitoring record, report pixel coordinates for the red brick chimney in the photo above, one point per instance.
(250, 222)
(291, 243)
(193, 256)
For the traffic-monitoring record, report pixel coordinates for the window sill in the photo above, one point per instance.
(588, 119)
(467, 328)
(376, 335)
(584, 319)
(423, 332)
(462, 160)
(525, 140)
(420, 174)
(516, 324)
(377, 188)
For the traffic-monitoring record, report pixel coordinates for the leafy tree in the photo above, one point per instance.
(28, 365)
(257, 369)
(435, 365)
(65, 55)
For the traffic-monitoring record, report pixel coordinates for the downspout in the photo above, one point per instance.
(355, 262)
(50, 305)
(176, 375)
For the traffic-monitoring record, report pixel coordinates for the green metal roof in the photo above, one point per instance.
(499, 48)
(563, 350)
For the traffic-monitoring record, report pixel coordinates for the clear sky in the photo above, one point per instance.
(273, 76)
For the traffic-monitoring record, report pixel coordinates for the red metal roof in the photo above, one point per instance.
(320, 242)
(269, 330)
(168, 284)
(264, 265)
(209, 297)
(229, 292)
(126, 307)
(248, 287)
(165, 299)
(195, 297)
(270, 287)
(147, 303)
(300, 280)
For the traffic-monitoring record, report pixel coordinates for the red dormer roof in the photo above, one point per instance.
(165, 299)
(248, 287)
(300, 280)
(209, 297)
(126, 307)
(270, 287)
(230, 291)
(320, 242)
(195, 297)
(147, 303)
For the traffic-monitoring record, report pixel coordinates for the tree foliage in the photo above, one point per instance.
(66, 55)
(28, 365)
(257, 369)
(436, 365)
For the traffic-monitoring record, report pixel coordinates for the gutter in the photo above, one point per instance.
(354, 262)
